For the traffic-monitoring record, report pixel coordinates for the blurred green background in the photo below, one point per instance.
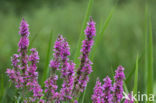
(123, 39)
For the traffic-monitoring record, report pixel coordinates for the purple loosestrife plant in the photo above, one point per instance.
(33, 76)
(107, 87)
(51, 82)
(67, 71)
(85, 68)
(24, 76)
(98, 93)
(118, 85)
(60, 62)
(64, 57)
(67, 86)
(14, 73)
(109, 93)
(23, 46)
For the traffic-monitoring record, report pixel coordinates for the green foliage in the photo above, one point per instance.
(135, 88)
(47, 61)
(150, 62)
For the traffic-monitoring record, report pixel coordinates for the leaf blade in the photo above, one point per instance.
(150, 62)
(46, 68)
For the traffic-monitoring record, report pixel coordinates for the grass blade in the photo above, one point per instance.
(133, 69)
(125, 87)
(146, 50)
(101, 33)
(135, 88)
(2, 85)
(150, 62)
(87, 14)
(46, 68)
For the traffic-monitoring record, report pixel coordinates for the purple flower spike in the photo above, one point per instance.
(15, 60)
(90, 30)
(118, 85)
(55, 63)
(22, 74)
(107, 96)
(50, 83)
(67, 71)
(23, 46)
(130, 100)
(64, 57)
(51, 88)
(98, 93)
(34, 58)
(32, 77)
(67, 86)
(85, 68)
(24, 30)
(14, 74)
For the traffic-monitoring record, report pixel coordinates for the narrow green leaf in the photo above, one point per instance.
(2, 86)
(87, 14)
(125, 87)
(133, 69)
(150, 62)
(100, 35)
(135, 88)
(146, 51)
(46, 68)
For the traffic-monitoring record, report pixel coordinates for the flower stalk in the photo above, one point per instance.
(82, 78)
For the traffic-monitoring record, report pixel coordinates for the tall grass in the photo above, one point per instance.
(150, 62)
(146, 49)
(100, 33)
(1, 86)
(46, 66)
(135, 88)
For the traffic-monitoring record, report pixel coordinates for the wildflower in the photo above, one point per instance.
(14, 73)
(64, 57)
(85, 68)
(24, 30)
(23, 44)
(50, 83)
(23, 75)
(98, 92)
(20, 61)
(118, 85)
(55, 63)
(67, 86)
(67, 72)
(32, 78)
(107, 96)
(51, 88)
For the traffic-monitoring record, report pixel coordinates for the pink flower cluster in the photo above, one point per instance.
(25, 76)
(107, 93)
